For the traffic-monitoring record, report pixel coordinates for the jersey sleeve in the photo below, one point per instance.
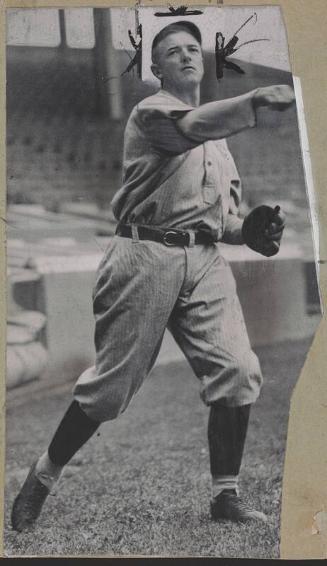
(157, 117)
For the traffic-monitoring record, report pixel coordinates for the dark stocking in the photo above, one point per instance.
(227, 428)
(73, 431)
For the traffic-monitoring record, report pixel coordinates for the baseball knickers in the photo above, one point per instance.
(142, 287)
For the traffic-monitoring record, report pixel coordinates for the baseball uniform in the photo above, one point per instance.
(142, 286)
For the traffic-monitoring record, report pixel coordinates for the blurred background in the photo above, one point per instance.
(67, 106)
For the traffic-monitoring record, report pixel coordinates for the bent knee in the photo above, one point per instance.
(103, 397)
(101, 410)
(247, 368)
(235, 382)
(102, 404)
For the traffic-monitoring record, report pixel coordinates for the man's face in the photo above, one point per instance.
(178, 61)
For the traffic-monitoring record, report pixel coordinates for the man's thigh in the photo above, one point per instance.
(208, 325)
(136, 288)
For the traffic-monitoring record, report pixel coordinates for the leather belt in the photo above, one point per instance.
(166, 236)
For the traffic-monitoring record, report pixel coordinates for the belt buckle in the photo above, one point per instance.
(167, 234)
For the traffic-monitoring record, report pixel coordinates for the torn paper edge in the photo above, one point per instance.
(304, 142)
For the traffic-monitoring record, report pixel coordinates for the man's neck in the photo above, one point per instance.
(190, 97)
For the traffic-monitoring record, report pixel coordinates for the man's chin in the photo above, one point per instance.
(191, 78)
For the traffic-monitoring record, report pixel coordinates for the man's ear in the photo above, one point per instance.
(156, 71)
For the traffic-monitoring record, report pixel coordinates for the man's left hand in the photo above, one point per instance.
(262, 229)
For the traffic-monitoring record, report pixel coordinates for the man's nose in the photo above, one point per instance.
(186, 56)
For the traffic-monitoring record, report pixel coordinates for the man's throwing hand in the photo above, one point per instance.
(277, 97)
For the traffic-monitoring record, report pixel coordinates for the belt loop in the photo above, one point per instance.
(192, 238)
(135, 233)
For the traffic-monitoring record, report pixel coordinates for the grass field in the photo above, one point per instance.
(142, 485)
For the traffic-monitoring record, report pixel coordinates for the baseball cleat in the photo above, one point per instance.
(28, 503)
(229, 506)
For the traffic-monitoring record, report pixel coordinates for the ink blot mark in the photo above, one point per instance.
(180, 11)
(223, 51)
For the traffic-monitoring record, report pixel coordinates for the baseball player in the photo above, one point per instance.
(163, 268)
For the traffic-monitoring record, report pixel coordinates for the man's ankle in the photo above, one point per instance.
(47, 472)
(228, 492)
(222, 484)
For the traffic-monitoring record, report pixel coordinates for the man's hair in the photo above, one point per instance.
(190, 28)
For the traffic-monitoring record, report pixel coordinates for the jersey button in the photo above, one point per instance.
(209, 163)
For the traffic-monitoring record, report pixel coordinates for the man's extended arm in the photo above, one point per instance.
(223, 118)
(173, 127)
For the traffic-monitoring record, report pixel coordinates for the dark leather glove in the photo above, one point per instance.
(262, 229)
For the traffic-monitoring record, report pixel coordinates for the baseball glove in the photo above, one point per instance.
(262, 229)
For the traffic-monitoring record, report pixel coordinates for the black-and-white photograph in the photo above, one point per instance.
(162, 279)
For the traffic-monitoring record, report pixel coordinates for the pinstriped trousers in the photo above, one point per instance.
(142, 287)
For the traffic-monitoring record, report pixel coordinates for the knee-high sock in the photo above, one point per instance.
(73, 431)
(227, 428)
